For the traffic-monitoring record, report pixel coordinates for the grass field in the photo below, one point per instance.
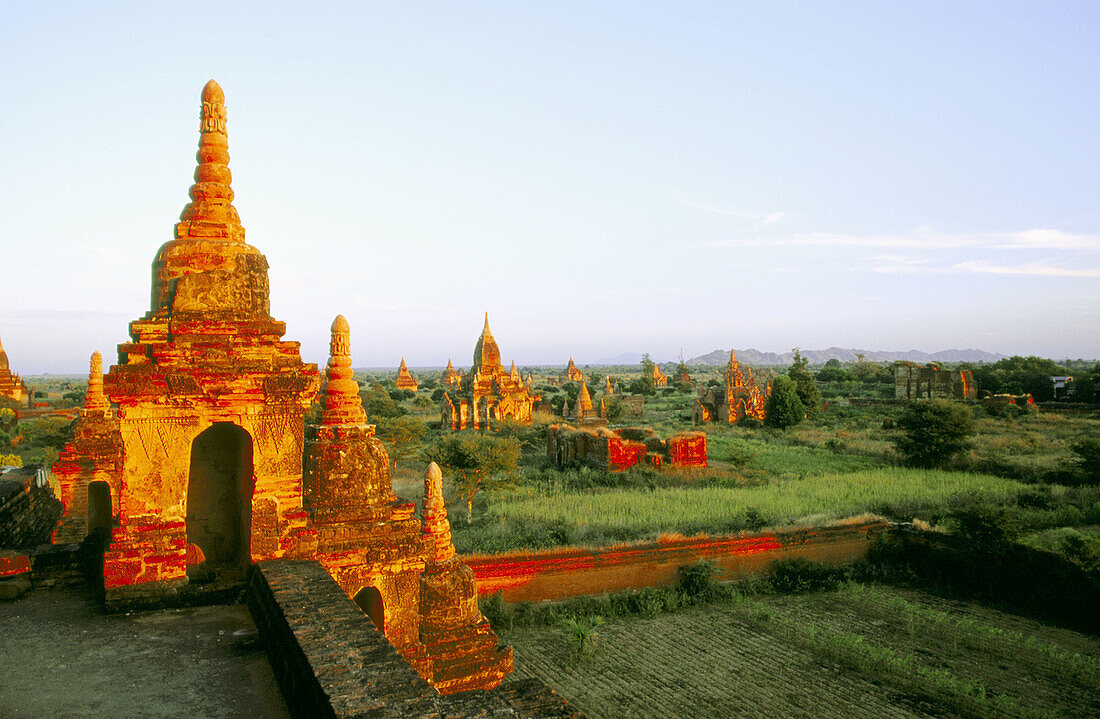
(860, 651)
(813, 499)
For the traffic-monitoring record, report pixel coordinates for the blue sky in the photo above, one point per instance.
(599, 177)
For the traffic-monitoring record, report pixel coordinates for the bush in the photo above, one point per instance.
(985, 527)
(802, 575)
(933, 432)
(697, 580)
(1086, 458)
(784, 408)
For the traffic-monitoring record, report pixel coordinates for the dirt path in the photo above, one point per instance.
(61, 657)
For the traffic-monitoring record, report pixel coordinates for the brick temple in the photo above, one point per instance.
(193, 453)
(488, 394)
(738, 398)
(405, 379)
(11, 386)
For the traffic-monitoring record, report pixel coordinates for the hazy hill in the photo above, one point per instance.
(751, 356)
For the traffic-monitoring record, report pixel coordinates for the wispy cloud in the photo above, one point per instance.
(1041, 238)
(1037, 269)
(761, 219)
(1032, 268)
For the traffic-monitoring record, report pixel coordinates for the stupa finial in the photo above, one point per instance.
(211, 214)
(341, 404)
(95, 400)
(436, 527)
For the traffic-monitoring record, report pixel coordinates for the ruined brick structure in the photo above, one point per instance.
(660, 379)
(618, 450)
(207, 465)
(488, 394)
(402, 571)
(451, 377)
(405, 380)
(913, 381)
(571, 373)
(608, 388)
(738, 398)
(90, 467)
(11, 386)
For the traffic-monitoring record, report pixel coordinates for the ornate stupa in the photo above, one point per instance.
(488, 393)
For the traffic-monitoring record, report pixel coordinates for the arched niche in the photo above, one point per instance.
(99, 506)
(219, 500)
(369, 600)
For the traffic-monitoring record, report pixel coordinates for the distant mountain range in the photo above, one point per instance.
(751, 356)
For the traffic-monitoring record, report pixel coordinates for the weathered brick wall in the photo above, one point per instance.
(564, 573)
(330, 661)
(28, 510)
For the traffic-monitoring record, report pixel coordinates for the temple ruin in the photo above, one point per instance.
(488, 393)
(204, 465)
(571, 373)
(737, 399)
(11, 385)
(451, 377)
(914, 381)
(660, 379)
(405, 379)
(621, 449)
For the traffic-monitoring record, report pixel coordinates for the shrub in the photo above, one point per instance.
(933, 432)
(802, 575)
(697, 580)
(583, 632)
(784, 408)
(1086, 457)
(984, 526)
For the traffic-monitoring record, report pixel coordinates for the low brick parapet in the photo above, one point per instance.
(556, 574)
(330, 660)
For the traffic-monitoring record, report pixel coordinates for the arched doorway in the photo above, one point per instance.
(99, 506)
(219, 500)
(369, 600)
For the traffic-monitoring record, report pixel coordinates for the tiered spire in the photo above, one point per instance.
(514, 373)
(584, 402)
(3, 358)
(95, 400)
(486, 351)
(437, 529)
(211, 214)
(341, 404)
(734, 378)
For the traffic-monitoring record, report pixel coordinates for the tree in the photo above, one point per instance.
(402, 435)
(645, 384)
(933, 431)
(803, 379)
(476, 462)
(378, 404)
(784, 408)
(1086, 456)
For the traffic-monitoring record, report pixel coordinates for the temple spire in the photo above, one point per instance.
(584, 402)
(95, 400)
(436, 527)
(211, 214)
(341, 403)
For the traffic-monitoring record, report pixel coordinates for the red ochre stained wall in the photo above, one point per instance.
(565, 573)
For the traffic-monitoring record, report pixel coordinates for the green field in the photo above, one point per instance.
(814, 499)
(860, 651)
